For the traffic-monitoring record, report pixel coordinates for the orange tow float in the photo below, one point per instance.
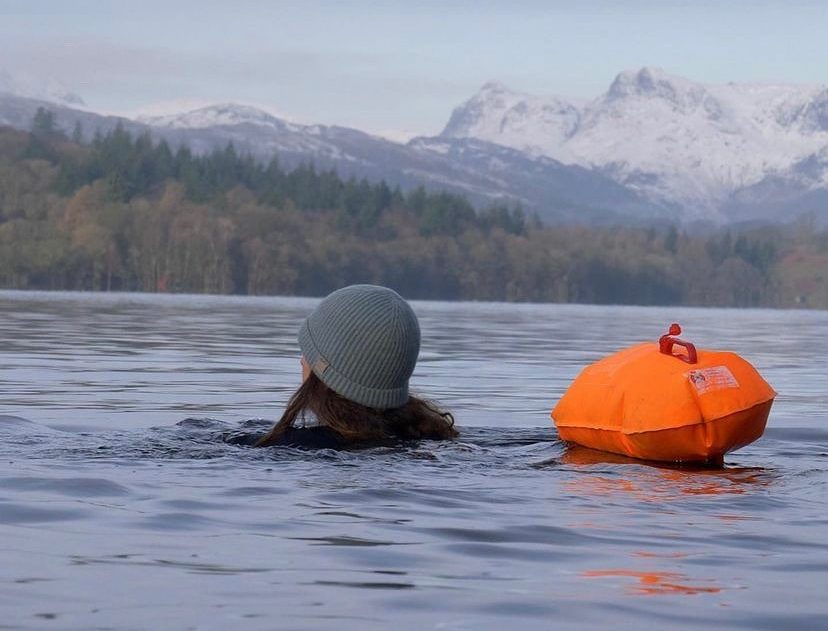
(650, 402)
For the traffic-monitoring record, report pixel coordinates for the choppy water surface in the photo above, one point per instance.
(121, 507)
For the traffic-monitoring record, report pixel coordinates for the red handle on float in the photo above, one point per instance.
(666, 343)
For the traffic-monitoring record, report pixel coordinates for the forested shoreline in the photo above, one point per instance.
(128, 214)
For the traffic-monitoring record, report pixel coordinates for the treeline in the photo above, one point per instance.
(125, 213)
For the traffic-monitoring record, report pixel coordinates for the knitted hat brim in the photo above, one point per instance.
(380, 399)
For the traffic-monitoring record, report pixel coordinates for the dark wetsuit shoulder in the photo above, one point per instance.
(316, 437)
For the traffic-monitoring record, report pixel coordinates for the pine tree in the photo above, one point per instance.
(77, 133)
(44, 123)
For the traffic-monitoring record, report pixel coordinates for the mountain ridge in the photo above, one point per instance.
(653, 148)
(667, 137)
(486, 173)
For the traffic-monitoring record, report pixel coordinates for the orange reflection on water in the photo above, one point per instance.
(658, 481)
(655, 583)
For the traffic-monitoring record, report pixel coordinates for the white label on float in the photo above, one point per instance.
(711, 379)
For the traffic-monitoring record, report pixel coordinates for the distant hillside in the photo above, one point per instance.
(653, 149)
(129, 214)
(483, 172)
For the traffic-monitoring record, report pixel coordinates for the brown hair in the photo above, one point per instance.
(355, 423)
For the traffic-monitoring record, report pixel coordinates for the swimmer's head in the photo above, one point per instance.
(362, 342)
(359, 348)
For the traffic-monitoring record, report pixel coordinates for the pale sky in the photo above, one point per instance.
(397, 65)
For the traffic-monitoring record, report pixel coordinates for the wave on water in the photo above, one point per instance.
(208, 438)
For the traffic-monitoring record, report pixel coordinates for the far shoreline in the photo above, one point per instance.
(169, 295)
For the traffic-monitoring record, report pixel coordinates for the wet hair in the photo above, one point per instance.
(356, 424)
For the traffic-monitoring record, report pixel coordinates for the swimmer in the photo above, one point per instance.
(359, 348)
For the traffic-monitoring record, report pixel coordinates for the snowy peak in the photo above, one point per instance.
(669, 138)
(49, 90)
(654, 83)
(498, 112)
(492, 98)
(218, 115)
(814, 116)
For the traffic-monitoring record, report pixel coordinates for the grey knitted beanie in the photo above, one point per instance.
(362, 341)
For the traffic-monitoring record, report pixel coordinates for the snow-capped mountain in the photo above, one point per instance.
(483, 171)
(49, 90)
(537, 125)
(652, 148)
(667, 137)
(214, 115)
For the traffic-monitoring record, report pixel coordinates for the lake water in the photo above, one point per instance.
(116, 512)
